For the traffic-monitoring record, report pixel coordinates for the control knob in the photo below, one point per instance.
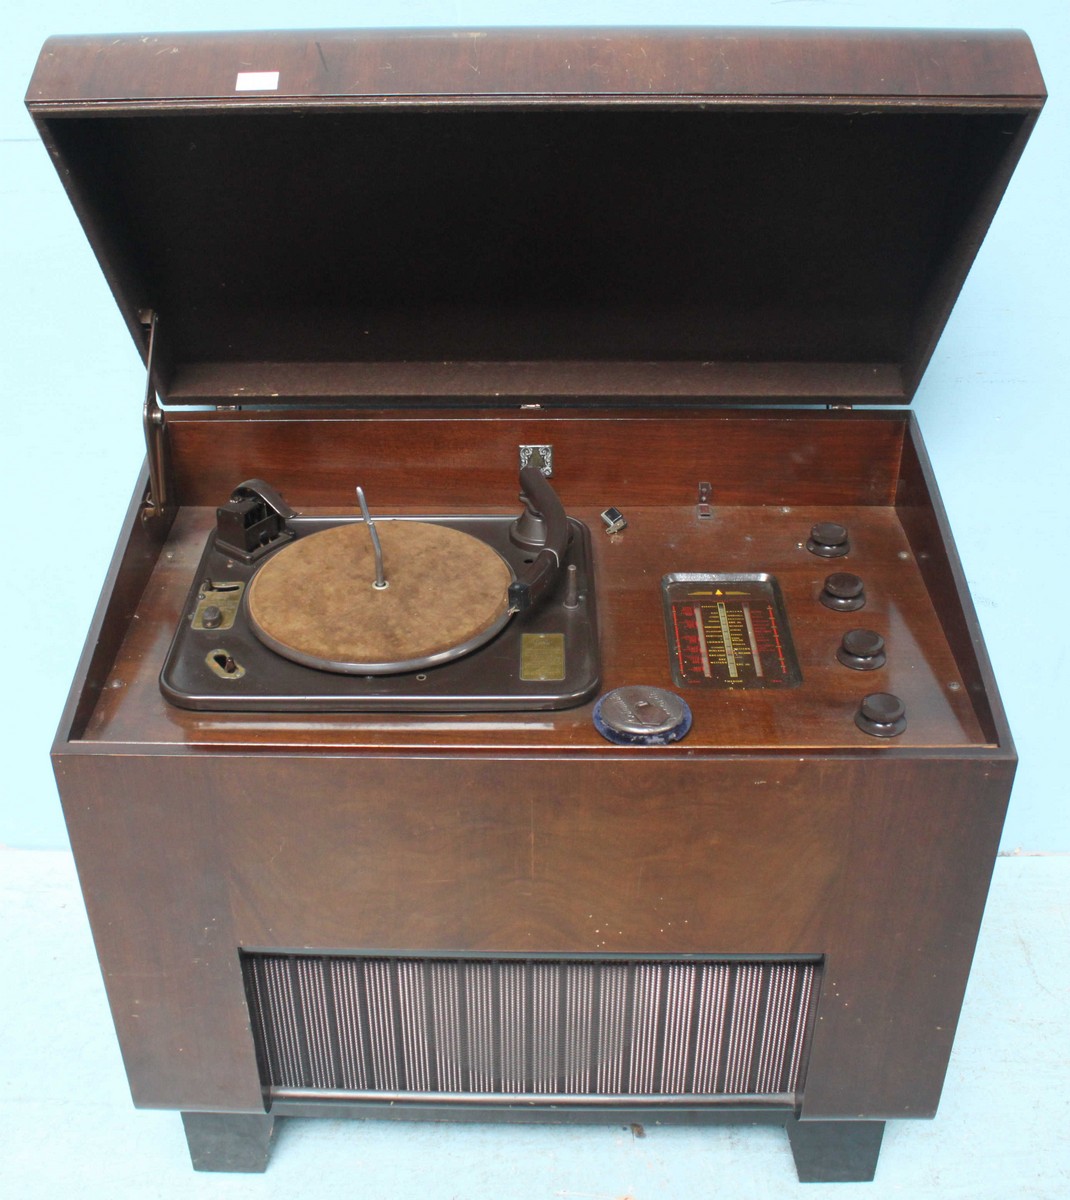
(843, 592)
(828, 540)
(862, 650)
(881, 715)
(212, 616)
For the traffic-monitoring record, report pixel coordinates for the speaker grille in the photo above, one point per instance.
(529, 1027)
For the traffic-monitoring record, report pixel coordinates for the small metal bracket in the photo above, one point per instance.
(541, 457)
(158, 500)
(704, 509)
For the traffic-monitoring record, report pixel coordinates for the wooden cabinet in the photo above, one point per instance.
(677, 258)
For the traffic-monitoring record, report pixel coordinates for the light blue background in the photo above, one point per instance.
(993, 405)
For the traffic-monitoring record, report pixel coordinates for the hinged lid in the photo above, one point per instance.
(727, 215)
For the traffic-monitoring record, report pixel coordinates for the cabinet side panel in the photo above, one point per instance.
(156, 888)
(921, 513)
(131, 565)
(915, 875)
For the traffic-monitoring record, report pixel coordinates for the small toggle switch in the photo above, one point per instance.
(222, 663)
(828, 540)
(862, 650)
(614, 521)
(843, 592)
(881, 715)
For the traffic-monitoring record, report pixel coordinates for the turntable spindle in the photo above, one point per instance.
(380, 578)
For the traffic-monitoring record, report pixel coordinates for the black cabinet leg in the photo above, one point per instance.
(228, 1141)
(835, 1151)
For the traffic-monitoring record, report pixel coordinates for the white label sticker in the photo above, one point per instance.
(257, 81)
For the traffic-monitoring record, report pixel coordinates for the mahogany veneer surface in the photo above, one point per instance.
(629, 567)
(879, 864)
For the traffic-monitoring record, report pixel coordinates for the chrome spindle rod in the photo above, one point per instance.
(380, 578)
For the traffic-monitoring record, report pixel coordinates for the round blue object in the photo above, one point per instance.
(640, 715)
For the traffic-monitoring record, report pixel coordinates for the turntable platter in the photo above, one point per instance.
(315, 601)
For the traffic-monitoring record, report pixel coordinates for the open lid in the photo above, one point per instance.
(729, 215)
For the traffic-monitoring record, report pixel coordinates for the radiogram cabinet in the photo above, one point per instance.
(670, 268)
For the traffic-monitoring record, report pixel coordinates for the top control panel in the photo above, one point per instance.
(811, 653)
(731, 631)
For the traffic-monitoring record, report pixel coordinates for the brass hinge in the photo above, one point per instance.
(158, 499)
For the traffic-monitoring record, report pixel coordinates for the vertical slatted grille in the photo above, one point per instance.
(560, 1027)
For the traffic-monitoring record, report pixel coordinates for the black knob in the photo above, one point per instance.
(881, 715)
(828, 540)
(862, 650)
(843, 592)
(212, 617)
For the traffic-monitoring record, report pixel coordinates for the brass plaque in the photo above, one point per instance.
(542, 656)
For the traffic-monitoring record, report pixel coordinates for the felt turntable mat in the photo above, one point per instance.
(315, 601)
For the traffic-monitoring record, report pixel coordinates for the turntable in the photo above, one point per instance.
(458, 613)
(670, 792)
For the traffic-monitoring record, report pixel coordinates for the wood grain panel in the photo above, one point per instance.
(423, 268)
(506, 384)
(467, 460)
(822, 63)
(925, 523)
(629, 568)
(881, 867)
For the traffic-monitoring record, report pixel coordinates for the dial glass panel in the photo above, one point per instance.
(728, 631)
